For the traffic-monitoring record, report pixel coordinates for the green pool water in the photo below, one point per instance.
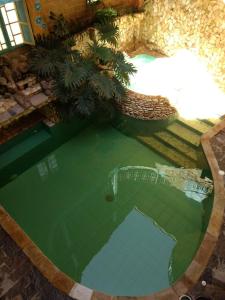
(102, 208)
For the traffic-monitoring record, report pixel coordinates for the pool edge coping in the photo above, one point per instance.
(192, 274)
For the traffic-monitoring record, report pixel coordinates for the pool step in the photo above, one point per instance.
(198, 126)
(183, 133)
(179, 142)
(170, 140)
(168, 152)
(26, 145)
(212, 121)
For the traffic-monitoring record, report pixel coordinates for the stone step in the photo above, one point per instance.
(167, 152)
(211, 121)
(196, 125)
(185, 134)
(177, 144)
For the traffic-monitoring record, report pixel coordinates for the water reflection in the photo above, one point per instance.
(188, 181)
(50, 164)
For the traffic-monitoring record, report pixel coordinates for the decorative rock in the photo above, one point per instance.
(3, 81)
(24, 101)
(38, 99)
(15, 110)
(4, 116)
(29, 81)
(144, 107)
(32, 90)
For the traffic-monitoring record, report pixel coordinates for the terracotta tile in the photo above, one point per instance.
(193, 272)
(205, 251)
(13, 229)
(126, 298)
(168, 294)
(215, 222)
(63, 282)
(182, 285)
(2, 213)
(34, 254)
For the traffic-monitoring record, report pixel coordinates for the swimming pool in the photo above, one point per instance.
(110, 211)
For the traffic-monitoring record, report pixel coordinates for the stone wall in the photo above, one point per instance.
(129, 33)
(195, 25)
(146, 107)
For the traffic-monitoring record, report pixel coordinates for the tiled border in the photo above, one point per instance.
(65, 284)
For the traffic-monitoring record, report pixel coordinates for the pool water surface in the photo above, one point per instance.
(112, 213)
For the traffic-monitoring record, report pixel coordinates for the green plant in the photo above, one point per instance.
(85, 82)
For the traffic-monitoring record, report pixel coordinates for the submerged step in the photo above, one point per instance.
(169, 153)
(177, 144)
(26, 145)
(196, 125)
(185, 134)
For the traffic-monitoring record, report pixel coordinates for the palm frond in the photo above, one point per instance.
(72, 75)
(105, 15)
(102, 85)
(49, 41)
(120, 90)
(44, 62)
(108, 32)
(60, 25)
(62, 94)
(122, 68)
(102, 53)
(86, 102)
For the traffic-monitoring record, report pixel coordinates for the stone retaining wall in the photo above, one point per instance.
(144, 107)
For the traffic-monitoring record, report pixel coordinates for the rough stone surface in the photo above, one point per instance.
(194, 25)
(129, 34)
(38, 99)
(144, 107)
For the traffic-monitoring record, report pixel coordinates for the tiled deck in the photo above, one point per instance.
(20, 280)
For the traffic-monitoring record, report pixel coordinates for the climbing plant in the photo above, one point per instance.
(86, 82)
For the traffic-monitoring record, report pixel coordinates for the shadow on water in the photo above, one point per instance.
(134, 127)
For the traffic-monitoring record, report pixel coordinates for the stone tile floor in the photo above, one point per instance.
(20, 280)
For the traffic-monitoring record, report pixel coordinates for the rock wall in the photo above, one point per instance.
(129, 33)
(198, 26)
(143, 107)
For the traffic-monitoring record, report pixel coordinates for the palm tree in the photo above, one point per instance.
(84, 83)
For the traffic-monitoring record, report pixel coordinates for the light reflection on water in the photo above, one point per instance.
(187, 180)
(124, 256)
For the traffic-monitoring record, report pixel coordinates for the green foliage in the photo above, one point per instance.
(105, 15)
(105, 25)
(84, 83)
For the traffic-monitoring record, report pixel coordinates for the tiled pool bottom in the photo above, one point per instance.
(135, 243)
